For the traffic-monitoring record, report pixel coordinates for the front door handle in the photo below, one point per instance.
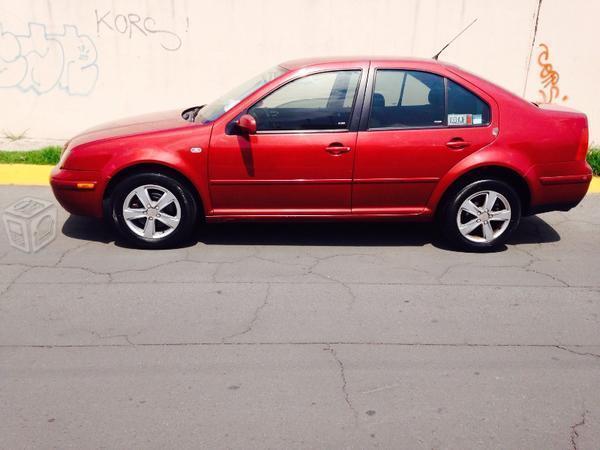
(336, 149)
(457, 143)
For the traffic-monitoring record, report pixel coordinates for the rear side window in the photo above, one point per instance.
(322, 101)
(414, 99)
(465, 108)
(406, 99)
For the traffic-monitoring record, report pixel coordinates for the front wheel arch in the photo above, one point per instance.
(150, 168)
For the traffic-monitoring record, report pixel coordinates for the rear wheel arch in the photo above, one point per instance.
(150, 168)
(491, 172)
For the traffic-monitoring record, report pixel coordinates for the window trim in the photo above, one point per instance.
(370, 90)
(355, 113)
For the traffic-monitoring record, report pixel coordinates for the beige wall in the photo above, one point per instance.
(66, 65)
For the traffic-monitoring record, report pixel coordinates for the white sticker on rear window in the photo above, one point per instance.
(477, 120)
(460, 119)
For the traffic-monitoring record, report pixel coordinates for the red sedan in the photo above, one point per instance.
(345, 139)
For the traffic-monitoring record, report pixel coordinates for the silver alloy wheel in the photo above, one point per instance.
(151, 211)
(484, 216)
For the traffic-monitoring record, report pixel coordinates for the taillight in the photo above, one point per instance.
(583, 144)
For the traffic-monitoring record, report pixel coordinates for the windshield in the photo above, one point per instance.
(220, 106)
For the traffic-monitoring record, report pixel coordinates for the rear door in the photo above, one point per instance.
(415, 127)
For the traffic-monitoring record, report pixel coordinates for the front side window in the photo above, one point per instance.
(220, 106)
(321, 101)
(407, 99)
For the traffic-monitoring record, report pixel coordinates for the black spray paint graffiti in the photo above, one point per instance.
(40, 61)
(133, 24)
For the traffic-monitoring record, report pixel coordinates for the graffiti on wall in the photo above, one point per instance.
(549, 78)
(132, 24)
(40, 62)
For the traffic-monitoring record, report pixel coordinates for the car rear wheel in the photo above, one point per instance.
(152, 210)
(481, 215)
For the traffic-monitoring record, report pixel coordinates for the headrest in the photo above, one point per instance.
(378, 100)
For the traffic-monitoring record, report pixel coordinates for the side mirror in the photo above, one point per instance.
(247, 124)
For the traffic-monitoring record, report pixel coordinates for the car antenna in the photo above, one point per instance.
(452, 40)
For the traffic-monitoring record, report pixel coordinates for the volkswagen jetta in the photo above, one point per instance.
(334, 139)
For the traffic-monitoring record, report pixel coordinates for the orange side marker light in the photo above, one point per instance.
(86, 185)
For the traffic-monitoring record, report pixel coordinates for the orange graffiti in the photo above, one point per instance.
(549, 78)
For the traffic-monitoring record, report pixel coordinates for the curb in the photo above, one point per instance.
(38, 175)
(25, 174)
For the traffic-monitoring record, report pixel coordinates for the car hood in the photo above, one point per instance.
(146, 123)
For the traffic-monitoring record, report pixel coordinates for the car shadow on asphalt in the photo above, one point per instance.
(532, 230)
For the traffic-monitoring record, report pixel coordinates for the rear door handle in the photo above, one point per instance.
(457, 143)
(336, 149)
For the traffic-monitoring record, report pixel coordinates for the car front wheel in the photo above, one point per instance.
(481, 216)
(153, 210)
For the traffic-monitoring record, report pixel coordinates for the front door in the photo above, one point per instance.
(300, 160)
(419, 125)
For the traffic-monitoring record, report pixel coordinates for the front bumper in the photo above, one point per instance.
(78, 191)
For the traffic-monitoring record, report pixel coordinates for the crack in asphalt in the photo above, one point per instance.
(535, 259)
(387, 387)
(574, 433)
(67, 251)
(127, 337)
(310, 265)
(315, 343)
(283, 282)
(112, 336)
(255, 316)
(342, 370)
(308, 269)
(14, 281)
(562, 347)
(346, 286)
(527, 267)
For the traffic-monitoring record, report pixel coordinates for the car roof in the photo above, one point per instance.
(492, 89)
(308, 62)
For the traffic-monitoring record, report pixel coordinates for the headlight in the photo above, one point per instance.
(64, 149)
(64, 154)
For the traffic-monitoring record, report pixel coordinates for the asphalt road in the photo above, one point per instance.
(302, 336)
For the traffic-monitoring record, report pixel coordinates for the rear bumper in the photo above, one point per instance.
(78, 191)
(558, 186)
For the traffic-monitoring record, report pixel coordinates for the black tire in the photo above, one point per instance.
(448, 218)
(187, 210)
